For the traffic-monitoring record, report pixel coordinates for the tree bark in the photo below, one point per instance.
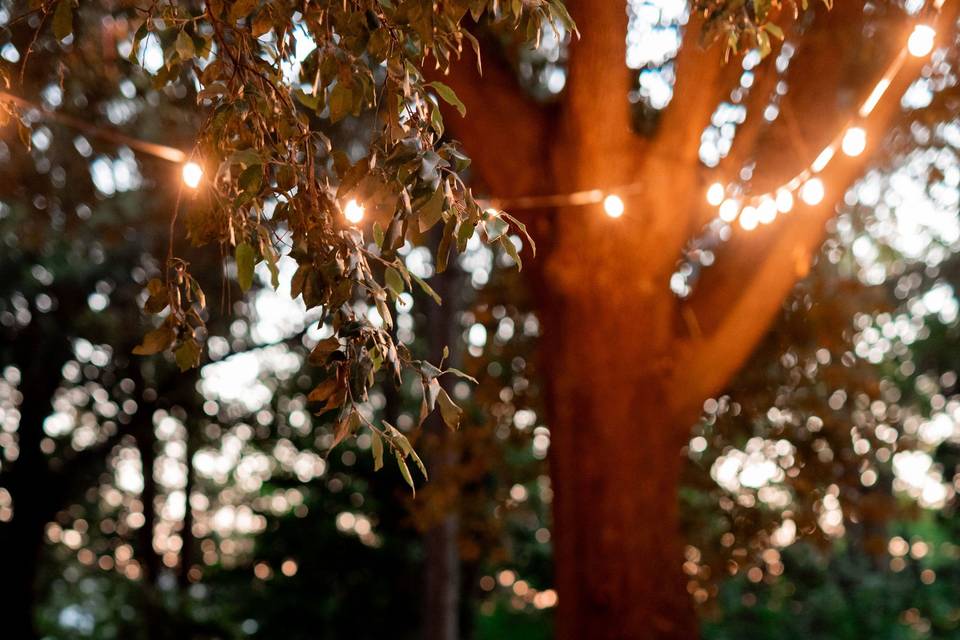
(441, 541)
(615, 459)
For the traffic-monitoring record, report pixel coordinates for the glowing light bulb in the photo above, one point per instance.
(749, 218)
(812, 191)
(920, 42)
(715, 194)
(729, 210)
(854, 141)
(613, 206)
(353, 212)
(823, 159)
(784, 200)
(192, 173)
(767, 210)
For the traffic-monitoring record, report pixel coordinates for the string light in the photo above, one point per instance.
(729, 210)
(921, 40)
(353, 212)
(823, 159)
(758, 209)
(812, 191)
(854, 141)
(613, 206)
(749, 218)
(767, 210)
(715, 194)
(871, 102)
(784, 200)
(192, 174)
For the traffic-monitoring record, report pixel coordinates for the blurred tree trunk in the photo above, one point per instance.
(441, 540)
(615, 455)
(39, 356)
(628, 363)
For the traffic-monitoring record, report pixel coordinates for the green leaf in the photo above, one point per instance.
(247, 156)
(188, 355)
(323, 391)
(156, 341)
(245, 263)
(511, 250)
(185, 47)
(443, 251)
(774, 30)
(427, 289)
(251, 179)
(522, 228)
(449, 410)
(137, 40)
(420, 465)
(449, 96)
(376, 446)
(461, 374)
(321, 352)
(431, 212)
(63, 19)
(394, 281)
(241, 9)
(341, 102)
(272, 265)
(404, 471)
(464, 233)
(495, 226)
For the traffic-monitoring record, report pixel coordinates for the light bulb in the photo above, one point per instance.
(854, 141)
(715, 194)
(192, 173)
(812, 191)
(353, 212)
(767, 210)
(729, 210)
(823, 159)
(613, 206)
(784, 200)
(749, 218)
(921, 40)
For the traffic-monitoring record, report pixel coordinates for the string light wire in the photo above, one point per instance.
(170, 154)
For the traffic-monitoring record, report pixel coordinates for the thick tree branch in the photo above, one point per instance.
(596, 120)
(702, 80)
(736, 301)
(504, 131)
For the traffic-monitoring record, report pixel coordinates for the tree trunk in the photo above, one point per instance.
(22, 540)
(441, 542)
(29, 483)
(615, 456)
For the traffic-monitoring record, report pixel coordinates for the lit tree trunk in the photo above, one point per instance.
(628, 364)
(616, 464)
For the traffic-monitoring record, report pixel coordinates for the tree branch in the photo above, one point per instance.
(505, 131)
(736, 300)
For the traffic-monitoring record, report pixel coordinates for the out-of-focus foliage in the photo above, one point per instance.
(271, 79)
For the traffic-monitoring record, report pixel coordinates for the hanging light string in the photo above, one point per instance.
(170, 154)
(851, 140)
(763, 208)
(191, 171)
(728, 199)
